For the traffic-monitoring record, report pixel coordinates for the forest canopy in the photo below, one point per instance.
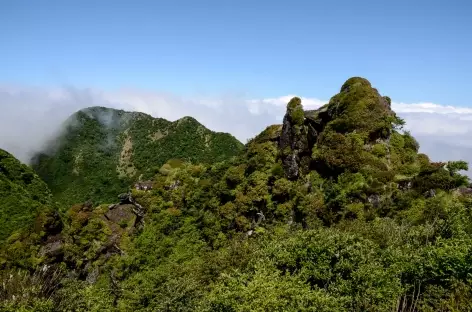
(334, 210)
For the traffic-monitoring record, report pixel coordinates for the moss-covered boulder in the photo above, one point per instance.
(95, 234)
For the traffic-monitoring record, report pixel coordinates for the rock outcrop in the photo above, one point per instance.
(92, 235)
(293, 142)
(52, 245)
(334, 137)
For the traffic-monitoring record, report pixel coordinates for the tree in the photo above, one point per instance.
(455, 166)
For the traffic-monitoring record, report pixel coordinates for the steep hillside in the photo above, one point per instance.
(22, 195)
(102, 151)
(334, 210)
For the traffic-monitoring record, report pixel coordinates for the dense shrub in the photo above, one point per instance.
(368, 225)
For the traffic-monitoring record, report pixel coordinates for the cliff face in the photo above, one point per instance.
(319, 139)
(294, 140)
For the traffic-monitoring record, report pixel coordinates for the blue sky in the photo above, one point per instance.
(233, 65)
(410, 50)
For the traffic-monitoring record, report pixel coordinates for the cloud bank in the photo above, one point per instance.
(30, 116)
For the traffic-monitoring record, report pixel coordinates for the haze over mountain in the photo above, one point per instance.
(291, 156)
(210, 65)
(335, 209)
(101, 151)
(442, 131)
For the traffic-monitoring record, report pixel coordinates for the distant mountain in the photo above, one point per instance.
(102, 150)
(333, 210)
(22, 195)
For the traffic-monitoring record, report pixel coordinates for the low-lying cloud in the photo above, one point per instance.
(29, 117)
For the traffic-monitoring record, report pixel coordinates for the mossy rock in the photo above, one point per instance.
(354, 82)
(271, 133)
(295, 111)
(359, 107)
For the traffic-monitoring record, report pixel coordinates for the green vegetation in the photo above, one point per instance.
(22, 195)
(335, 210)
(102, 151)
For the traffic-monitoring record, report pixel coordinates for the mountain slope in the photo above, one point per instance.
(103, 150)
(22, 195)
(334, 210)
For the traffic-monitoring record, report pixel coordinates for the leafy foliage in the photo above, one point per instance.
(23, 195)
(370, 224)
(102, 151)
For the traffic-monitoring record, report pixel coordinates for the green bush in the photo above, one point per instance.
(368, 225)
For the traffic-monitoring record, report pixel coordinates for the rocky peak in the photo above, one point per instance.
(293, 142)
(354, 82)
(358, 109)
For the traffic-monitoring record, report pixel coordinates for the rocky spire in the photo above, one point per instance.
(293, 141)
(357, 116)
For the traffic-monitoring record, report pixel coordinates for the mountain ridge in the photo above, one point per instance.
(124, 147)
(333, 210)
(23, 195)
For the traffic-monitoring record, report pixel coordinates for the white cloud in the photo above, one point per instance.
(429, 108)
(30, 116)
(444, 132)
